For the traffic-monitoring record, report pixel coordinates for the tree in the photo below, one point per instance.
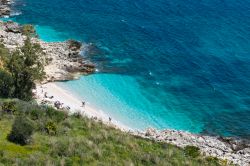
(20, 69)
(6, 84)
(25, 66)
(22, 130)
(6, 81)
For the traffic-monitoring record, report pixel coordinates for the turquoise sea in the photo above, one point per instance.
(180, 64)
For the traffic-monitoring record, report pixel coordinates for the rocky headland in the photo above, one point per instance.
(63, 59)
(236, 151)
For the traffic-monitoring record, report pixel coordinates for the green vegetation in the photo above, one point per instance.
(9, 107)
(62, 139)
(192, 151)
(22, 130)
(29, 30)
(20, 70)
(6, 84)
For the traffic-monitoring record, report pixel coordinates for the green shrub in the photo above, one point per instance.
(67, 124)
(51, 128)
(77, 115)
(28, 30)
(1, 153)
(192, 151)
(9, 107)
(213, 160)
(55, 115)
(6, 84)
(22, 130)
(30, 109)
(34, 114)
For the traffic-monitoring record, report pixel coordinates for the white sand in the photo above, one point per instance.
(75, 104)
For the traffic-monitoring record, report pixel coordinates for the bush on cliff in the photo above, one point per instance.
(22, 130)
(9, 107)
(51, 128)
(28, 30)
(6, 84)
(192, 151)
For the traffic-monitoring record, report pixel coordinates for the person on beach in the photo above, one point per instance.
(110, 119)
(83, 104)
(45, 95)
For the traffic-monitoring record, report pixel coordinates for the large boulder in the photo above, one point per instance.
(4, 10)
(150, 132)
(14, 27)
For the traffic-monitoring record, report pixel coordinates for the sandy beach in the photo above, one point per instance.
(56, 93)
(211, 146)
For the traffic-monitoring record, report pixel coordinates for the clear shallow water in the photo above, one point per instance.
(167, 64)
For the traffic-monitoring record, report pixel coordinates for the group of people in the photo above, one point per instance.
(59, 105)
(46, 96)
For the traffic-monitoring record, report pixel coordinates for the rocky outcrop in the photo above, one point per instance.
(235, 150)
(63, 59)
(5, 7)
(65, 63)
(12, 27)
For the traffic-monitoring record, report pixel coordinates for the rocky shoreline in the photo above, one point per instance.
(5, 7)
(63, 59)
(64, 62)
(236, 151)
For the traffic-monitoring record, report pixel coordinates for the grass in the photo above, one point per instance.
(81, 141)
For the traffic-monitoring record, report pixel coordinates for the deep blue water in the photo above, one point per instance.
(180, 64)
